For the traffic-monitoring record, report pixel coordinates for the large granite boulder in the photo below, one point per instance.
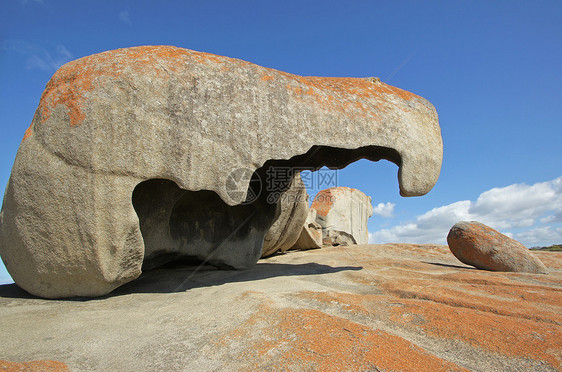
(135, 153)
(343, 213)
(287, 227)
(478, 245)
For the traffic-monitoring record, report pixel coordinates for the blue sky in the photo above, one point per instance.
(491, 68)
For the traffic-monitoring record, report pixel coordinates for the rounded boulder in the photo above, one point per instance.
(478, 245)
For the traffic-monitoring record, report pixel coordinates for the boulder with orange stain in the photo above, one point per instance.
(343, 213)
(136, 156)
(476, 244)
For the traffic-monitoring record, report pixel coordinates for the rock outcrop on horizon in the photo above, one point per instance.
(343, 213)
(148, 153)
(476, 244)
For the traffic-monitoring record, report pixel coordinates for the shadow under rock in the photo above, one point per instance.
(183, 276)
(13, 291)
(179, 278)
(452, 266)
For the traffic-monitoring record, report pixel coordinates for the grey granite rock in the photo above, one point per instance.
(121, 132)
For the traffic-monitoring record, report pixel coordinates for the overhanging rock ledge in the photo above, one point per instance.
(132, 151)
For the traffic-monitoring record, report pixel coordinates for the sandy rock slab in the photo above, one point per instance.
(392, 307)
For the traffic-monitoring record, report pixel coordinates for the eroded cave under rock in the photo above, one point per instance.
(177, 223)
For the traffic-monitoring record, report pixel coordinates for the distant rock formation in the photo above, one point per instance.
(343, 213)
(148, 153)
(476, 244)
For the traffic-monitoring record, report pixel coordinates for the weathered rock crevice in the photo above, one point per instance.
(183, 224)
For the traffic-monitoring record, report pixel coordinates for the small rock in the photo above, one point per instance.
(311, 233)
(476, 244)
(336, 237)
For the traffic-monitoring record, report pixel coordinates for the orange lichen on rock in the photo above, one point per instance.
(324, 200)
(35, 366)
(365, 94)
(493, 312)
(360, 87)
(322, 203)
(305, 339)
(72, 83)
(552, 260)
(27, 133)
(507, 335)
(488, 313)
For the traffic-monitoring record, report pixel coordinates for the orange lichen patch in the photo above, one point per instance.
(70, 85)
(505, 335)
(473, 289)
(28, 133)
(72, 82)
(535, 294)
(305, 339)
(515, 328)
(359, 87)
(490, 311)
(208, 57)
(324, 200)
(473, 297)
(35, 366)
(367, 95)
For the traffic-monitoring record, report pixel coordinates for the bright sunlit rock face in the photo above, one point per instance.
(136, 150)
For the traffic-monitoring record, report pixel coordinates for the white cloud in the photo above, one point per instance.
(125, 17)
(385, 210)
(538, 235)
(37, 57)
(503, 208)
